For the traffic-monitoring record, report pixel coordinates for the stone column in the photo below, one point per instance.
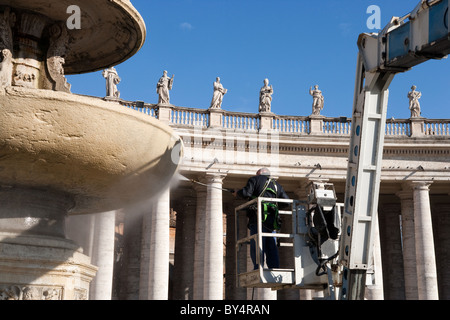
(130, 262)
(409, 243)
(265, 294)
(199, 247)
(441, 217)
(425, 255)
(156, 254)
(103, 255)
(213, 279)
(144, 252)
(183, 270)
(80, 228)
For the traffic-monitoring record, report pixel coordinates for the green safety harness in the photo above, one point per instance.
(268, 207)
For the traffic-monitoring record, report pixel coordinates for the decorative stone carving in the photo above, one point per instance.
(162, 88)
(6, 47)
(28, 70)
(414, 105)
(265, 97)
(24, 79)
(81, 294)
(318, 100)
(59, 40)
(219, 92)
(10, 293)
(112, 80)
(30, 292)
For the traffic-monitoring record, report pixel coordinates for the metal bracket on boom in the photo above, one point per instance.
(408, 41)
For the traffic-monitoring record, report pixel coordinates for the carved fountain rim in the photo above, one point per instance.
(111, 31)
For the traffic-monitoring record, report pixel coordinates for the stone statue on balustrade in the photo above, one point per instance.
(163, 87)
(265, 97)
(414, 105)
(112, 80)
(219, 92)
(318, 100)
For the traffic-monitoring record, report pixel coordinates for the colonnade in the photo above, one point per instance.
(199, 263)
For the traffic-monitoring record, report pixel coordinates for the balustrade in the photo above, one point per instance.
(291, 124)
(189, 117)
(239, 120)
(149, 109)
(438, 127)
(398, 127)
(339, 126)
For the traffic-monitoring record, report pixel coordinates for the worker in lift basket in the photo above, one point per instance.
(262, 185)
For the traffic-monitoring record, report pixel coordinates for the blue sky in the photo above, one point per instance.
(296, 44)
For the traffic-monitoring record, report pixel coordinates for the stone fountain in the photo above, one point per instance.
(62, 153)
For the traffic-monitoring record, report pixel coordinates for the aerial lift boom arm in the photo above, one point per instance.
(405, 42)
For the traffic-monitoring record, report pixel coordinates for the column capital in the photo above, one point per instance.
(198, 187)
(215, 177)
(420, 184)
(406, 192)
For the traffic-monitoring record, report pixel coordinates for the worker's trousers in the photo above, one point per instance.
(269, 248)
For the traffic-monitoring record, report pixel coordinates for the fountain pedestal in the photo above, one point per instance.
(37, 262)
(62, 153)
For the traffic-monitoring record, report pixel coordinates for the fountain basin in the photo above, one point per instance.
(101, 154)
(110, 31)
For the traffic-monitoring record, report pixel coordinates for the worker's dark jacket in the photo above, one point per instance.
(255, 185)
